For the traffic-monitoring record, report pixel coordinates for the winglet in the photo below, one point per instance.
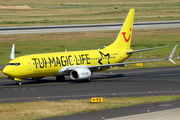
(171, 55)
(12, 56)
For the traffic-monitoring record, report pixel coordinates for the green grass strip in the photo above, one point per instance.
(47, 109)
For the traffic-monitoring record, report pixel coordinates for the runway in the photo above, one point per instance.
(86, 27)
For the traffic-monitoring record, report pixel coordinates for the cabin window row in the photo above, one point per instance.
(16, 64)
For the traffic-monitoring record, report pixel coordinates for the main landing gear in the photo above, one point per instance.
(87, 80)
(60, 78)
(18, 83)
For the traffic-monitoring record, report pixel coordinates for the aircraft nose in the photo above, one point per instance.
(7, 71)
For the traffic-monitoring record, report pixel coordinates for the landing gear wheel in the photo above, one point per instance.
(87, 80)
(60, 78)
(18, 83)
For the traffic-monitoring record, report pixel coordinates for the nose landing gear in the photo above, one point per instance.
(18, 81)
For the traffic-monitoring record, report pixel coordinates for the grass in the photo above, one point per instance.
(54, 42)
(47, 109)
(58, 12)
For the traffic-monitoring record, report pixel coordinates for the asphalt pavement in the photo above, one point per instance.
(156, 111)
(125, 83)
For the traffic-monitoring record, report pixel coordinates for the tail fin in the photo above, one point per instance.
(123, 40)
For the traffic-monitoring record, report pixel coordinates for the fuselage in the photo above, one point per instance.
(48, 64)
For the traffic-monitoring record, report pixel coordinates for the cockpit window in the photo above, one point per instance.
(16, 64)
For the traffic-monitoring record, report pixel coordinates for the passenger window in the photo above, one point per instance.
(17, 64)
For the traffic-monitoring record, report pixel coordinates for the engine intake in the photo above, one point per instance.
(80, 73)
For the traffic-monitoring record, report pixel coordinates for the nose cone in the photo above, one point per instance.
(5, 70)
(8, 71)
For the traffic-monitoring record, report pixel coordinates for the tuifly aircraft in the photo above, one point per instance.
(79, 65)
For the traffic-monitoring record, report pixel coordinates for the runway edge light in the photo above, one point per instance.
(96, 99)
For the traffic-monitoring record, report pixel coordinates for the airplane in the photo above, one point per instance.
(79, 65)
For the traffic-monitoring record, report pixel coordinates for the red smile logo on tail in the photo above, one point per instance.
(124, 35)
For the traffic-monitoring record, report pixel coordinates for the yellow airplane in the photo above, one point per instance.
(78, 64)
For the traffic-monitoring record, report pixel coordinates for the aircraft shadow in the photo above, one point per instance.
(109, 76)
(96, 78)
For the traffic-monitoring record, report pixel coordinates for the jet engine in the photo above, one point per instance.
(80, 74)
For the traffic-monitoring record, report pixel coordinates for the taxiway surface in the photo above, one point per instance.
(158, 81)
(139, 82)
(156, 111)
(85, 27)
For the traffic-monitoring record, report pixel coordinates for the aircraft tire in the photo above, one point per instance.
(87, 80)
(60, 78)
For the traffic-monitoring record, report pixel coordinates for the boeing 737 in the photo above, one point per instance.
(79, 65)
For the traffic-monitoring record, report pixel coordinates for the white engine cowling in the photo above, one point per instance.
(80, 73)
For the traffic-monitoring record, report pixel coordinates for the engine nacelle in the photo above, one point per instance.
(80, 73)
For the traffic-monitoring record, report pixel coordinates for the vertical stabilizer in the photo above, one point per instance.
(123, 40)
